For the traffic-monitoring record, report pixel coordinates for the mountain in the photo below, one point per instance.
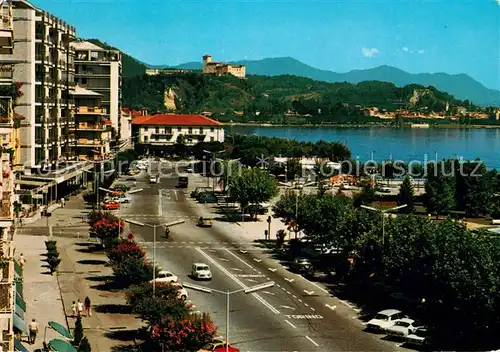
(131, 67)
(461, 86)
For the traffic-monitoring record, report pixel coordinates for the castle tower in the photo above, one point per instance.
(207, 59)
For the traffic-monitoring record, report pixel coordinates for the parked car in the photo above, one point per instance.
(402, 328)
(165, 276)
(199, 190)
(219, 346)
(384, 319)
(202, 222)
(189, 169)
(111, 206)
(122, 199)
(154, 179)
(208, 197)
(301, 265)
(182, 292)
(183, 181)
(201, 271)
(418, 337)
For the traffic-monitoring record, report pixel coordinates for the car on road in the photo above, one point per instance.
(219, 346)
(402, 328)
(182, 292)
(419, 337)
(111, 206)
(207, 197)
(183, 181)
(189, 169)
(199, 190)
(154, 179)
(384, 319)
(165, 276)
(202, 222)
(301, 265)
(201, 271)
(122, 199)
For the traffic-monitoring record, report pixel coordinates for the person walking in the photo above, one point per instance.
(63, 202)
(73, 309)
(33, 328)
(79, 306)
(87, 303)
(22, 261)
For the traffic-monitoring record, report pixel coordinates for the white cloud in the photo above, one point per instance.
(369, 52)
(498, 2)
(422, 51)
(405, 48)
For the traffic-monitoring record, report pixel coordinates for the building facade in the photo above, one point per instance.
(100, 70)
(92, 127)
(45, 68)
(219, 68)
(170, 129)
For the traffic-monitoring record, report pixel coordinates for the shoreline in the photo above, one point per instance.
(449, 126)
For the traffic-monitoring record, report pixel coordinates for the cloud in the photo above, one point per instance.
(422, 51)
(498, 2)
(370, 52)
(405, 48)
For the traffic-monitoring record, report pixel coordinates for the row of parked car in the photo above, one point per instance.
(397, 325)
(116, 197)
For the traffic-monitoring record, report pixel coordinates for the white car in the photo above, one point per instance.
(122, 199)
(201, 271)
(189, 170)
(165, 276)
(384, 319)
(402, 327)
(418, 337)
(182, 292)
(153, 179)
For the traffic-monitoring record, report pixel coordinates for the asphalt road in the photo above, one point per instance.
(294, 315)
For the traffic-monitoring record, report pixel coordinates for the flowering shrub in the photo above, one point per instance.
(189, 334)
(122, 251)
(105, 225)
(132, 271)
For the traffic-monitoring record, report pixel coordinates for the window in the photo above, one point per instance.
(179, 129)
(157, 130)
(145, 129)
(145, 138)
(201, 130)
(212, 129)
(190, 130)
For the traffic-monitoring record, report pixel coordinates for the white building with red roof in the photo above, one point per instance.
(169, 129)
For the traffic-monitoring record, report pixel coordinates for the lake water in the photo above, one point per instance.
(399, 144)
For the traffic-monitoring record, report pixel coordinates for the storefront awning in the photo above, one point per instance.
(60, 329)
(18, 346)
(20, 302)
(61, 346)
(17, 268)
(19, 323)
(19, 312)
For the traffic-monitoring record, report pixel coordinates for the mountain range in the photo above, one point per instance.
(462, 86)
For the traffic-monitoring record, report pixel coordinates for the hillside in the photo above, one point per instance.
(131, 67)
(461, 86)
(263, 97)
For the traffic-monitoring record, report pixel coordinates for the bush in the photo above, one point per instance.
(50, 244)
(53, 253)
(78, 332)
(53, 263)
(155, 310)
(132, 271)
(122, 251)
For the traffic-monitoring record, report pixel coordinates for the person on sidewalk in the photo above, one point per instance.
(79, 306)
(63, 202)
(33, 328)
(22, 261)
(73, 309)
(87, 303)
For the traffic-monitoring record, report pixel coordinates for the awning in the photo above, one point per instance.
(19, 288)
(60, 329)
(61, 346)
(19, 311)
(18, 346)
(20, 302)
(17, 268)
(29, 183)
(19, 323)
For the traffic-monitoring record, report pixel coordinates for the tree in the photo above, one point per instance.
(293, 169)
(252, 186)
(106, 226)
(473, 190)
(440, 188)
(84, 346)
(124, 251)
(132, 271)
(189, 334)
(78, 332)
(155, 310)
(406, 196)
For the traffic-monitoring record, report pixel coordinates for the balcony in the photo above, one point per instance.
(91, 127)
(90, 110)
(82, 142)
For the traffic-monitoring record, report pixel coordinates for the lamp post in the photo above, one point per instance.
(154, 244)
(228, 294)
(383, 212)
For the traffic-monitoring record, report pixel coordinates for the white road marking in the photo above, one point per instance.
(223, 259)
(231, 276)
(288, 307)
(305, 317)
(312, 309)
(257, 260)
(242, 251)
(241, 260)
(299, 300)
(251, 280)
(289, 280)
(312, 341)
(308, 292)
(318, 286)
(347, 304)
(307, 305)
(175, 193)
(273, 270)
(331, 307)
(268, 293)
(212, 250)
(160, 208)
(247, 275)
(236, 269)
(294, 296)
(293, 326)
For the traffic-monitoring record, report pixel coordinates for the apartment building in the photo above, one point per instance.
(45, 68)
(100, 70)
(92, 128)
(161, 130)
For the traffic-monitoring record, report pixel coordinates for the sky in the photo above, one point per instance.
(451, 36)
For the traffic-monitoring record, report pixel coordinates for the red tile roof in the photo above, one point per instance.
(175, 120)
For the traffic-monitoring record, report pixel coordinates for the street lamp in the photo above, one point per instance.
(383, 212)
(228, 293)
(154, 243)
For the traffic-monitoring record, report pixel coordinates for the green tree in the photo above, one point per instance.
(133, 271)
(155, 310)
(293, 169)
(252, 186)
(473, 190)
(406, 196)
(440, 188)
(78, 332)
(84, 346)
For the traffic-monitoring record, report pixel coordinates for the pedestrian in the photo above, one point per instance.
(63, 201)
(33, 328)
(22, 261)
(87, 303)
(79, 306)
(73, 309)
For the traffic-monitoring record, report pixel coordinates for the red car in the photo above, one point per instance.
(111, 206)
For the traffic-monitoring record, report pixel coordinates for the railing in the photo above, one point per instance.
(89, 109)
(86, 126)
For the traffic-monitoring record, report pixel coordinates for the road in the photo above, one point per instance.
(294, 315)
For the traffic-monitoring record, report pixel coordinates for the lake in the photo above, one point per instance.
(399, 144)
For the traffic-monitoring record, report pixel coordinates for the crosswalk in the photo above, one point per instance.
(214, 245)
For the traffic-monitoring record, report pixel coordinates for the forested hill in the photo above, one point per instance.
(262, 96)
